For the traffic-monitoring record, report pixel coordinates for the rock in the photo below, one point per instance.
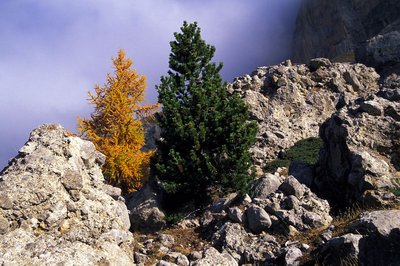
(316, 63)
(224, 203)
(292, 187)
(356, 31)
(258, 219)
(211, 256)
(382, 222)
(235, 214)
(372, 108)
(300, 215)
(146, 214)
(390, 88)
(179, 258)
(303, 172)
(292, 256)
(340, 249)
(245, 247)
(55, 210)
(72, 181)
(361, 152)
(290, 102)
(195, 255)
(383, 49)
(140, 258)
(4, 225)
(165, 263)
(166, 240)
(264, 186)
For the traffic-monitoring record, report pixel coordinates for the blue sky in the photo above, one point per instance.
(52, 52)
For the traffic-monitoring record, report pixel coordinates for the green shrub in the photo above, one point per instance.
(174, 218)
(305, 150)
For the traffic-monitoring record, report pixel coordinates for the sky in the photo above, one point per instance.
(52, 52)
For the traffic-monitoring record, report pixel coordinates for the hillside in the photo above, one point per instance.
(55, 207)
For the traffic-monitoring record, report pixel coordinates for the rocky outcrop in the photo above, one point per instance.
(374, 239)
(290, 102)
(361, 149)
(345, 30)
(241, 226)
(55, 207)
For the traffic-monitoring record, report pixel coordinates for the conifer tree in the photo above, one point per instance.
(115, 126)
(205, 132)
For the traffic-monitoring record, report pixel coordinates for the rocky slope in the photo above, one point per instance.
(358, 120)
(368, 31)
(55, 208)
(290, 102)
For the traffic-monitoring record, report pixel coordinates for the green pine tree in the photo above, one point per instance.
(205, 132)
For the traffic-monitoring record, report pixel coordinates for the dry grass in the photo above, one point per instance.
(186, 241)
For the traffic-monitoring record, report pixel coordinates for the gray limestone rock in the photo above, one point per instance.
(266, 185)
(43, 222)
(258, 219)
(146, 214)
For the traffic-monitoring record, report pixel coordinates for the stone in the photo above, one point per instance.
(245, 247)
(5, 201)
(195, 255)
(165, 263)
(360, 153)
(339, 249)
(179, 258)
(382, 222)
(303, 172)
(72, 181)
(166, 240)
(4, 225)
(316, 63)
(372, 108)
(258, 219)
(140, 258)
(235, 214)
(264, 186)
(292, 256)
(355, 31)
(211, 256)
(290, 102)
(292, 187)
(146, 214)
(39, 214)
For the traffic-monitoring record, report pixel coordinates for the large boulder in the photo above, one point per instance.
(361, 150)
(55, 207)
(146, 214)
(290, 102)
(374, 239)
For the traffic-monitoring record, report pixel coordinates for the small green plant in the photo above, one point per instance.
(305, 150)
(174, 218)
(396, 191)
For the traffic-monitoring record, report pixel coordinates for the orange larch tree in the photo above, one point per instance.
(116, 128)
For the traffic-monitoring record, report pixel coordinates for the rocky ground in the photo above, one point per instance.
(55, 208)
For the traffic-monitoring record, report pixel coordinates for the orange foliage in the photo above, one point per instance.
(115, 126)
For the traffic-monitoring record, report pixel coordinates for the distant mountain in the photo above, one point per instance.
(366, 31)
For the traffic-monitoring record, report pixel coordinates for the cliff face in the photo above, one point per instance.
(348, 30)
